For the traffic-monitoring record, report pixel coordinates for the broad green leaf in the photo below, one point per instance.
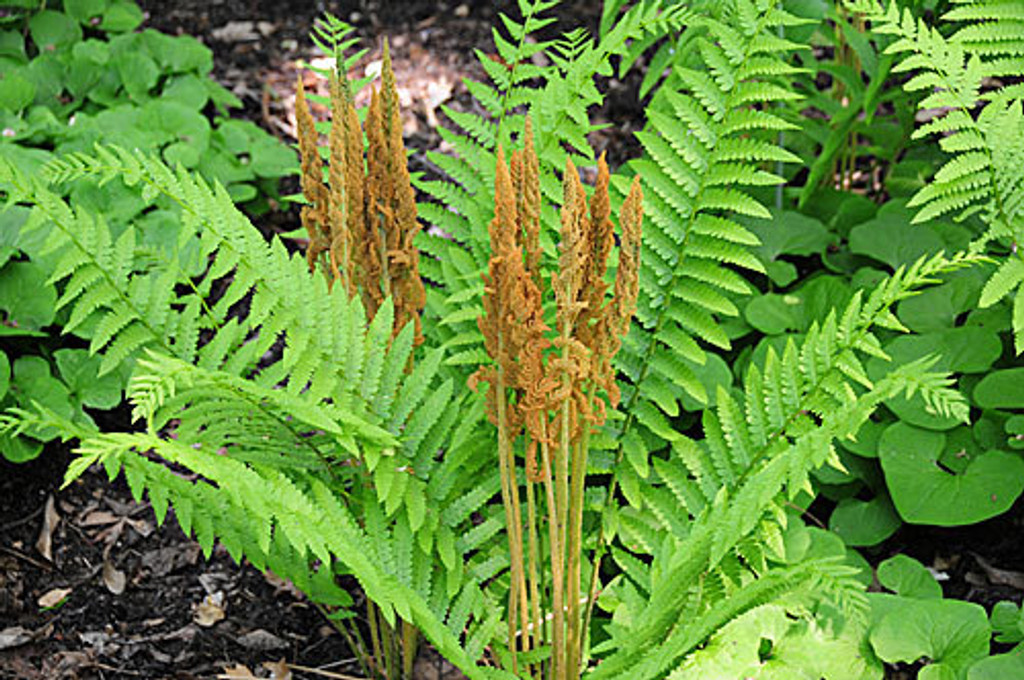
(1007, 622)
(1001, 389)
(271, 159)
(187, 90)
(892, 239)
(864, 523)
(19, 449)
(16, 92)
(949, 633)
(80, 372)
(52, 30)
(924, 492)
(999, 667)
(907, 577)
(774, 314)
(788, 233)
(25, 295)
(121, 17)
(139, 73)
(84, 10)
(940, 307)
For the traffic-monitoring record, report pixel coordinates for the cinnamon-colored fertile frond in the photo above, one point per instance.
(602, 238)
(341, 238)
(372, 246)
(572, 260)
(528, 204)
(513, 322)
(604, 336)
(355, 169)
(391, 203)
(627, 279)
(314, 215)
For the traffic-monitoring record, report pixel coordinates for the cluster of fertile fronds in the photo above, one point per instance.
(365, 223)
(987, 142)
(552, 399)
(552, 82)
(756, 454)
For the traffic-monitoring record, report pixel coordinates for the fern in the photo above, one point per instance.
(556, 95)
(699, 159)
(994, 30)
(757, 453)
(292, 447)
(986, 142)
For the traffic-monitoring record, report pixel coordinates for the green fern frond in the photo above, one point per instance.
(758, 450)
(983, 176)
(705, 145)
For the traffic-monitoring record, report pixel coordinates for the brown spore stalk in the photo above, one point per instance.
(364, 217)
(550, 388)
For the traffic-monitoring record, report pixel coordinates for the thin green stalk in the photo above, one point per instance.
(557, 582)
(410, 640)
(537, 632)
(579, 474)
(353, 638)
(378, 652)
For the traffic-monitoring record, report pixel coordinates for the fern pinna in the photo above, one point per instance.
(323, 451)
(986, 141)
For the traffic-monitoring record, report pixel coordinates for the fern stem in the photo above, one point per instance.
(353, 638)
(410, 640)
(557, 583)
(378, 652)
(579, 474)
(537, 632)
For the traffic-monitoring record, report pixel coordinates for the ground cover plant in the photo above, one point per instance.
(76, 74)
(574, 432)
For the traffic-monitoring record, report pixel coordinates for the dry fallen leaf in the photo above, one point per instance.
(53, 597)
(236, 672)
(210, 610)
(12, 637)
(113, 578)
(278, 670)
(50, 521)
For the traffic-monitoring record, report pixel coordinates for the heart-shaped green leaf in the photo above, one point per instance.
(907, 577)
(864, 523)
(1001, 389)
(950, 634)
(80, 372)
(25, 295)
(892, 239)
(999, 667)
(925, 492)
